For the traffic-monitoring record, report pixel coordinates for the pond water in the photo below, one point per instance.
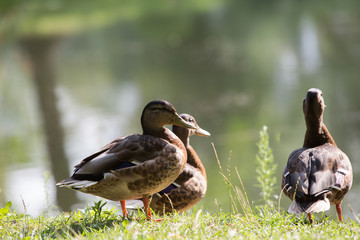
(234, 67)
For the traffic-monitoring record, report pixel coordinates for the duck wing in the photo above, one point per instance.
(311, 173)
(121, 153)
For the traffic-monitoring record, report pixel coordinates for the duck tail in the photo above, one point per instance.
(76, 184)
(295, 208)
(320, 205)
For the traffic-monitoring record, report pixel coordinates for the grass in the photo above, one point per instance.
(246, 221)
(266, 168)
(107, 224)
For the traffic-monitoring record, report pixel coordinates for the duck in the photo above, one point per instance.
(135, 166)
(191, 185)
(319, 174)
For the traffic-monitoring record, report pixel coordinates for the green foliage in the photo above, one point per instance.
(5, 210)
(38, 17)
(266, 168)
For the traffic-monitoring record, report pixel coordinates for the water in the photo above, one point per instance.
(234, 67)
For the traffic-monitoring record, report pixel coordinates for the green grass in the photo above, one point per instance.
(245, 221)
(93, 223)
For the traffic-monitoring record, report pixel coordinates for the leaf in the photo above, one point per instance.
(6, 209)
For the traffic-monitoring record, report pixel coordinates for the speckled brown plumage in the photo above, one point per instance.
(190, 186)
(318, 174)
(135, 166)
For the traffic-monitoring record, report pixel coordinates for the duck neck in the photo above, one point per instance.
(183, 134)
(194, 160)
(316, 133)
(167, 135)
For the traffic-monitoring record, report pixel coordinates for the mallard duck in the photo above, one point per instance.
(318, 174)
(135, 166)
(190, 187)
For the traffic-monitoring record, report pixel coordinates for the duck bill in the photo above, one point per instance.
(182, 123)
(201, 132)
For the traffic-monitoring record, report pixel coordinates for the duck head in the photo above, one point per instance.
(159, 113)
(313, 104)
(185, 133)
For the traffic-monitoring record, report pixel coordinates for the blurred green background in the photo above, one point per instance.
(74, 75)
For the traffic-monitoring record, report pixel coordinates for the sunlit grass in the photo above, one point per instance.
(100, 223)
(245, 221)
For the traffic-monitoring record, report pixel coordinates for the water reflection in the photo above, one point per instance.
(96, 127)
(309, 46)
(31, 189)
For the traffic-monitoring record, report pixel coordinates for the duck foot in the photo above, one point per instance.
(338, 210)
(310, 218)
(148, 211)
(123, 208)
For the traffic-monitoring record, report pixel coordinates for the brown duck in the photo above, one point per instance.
(135, 166)
(318, 174)
(190, 187)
